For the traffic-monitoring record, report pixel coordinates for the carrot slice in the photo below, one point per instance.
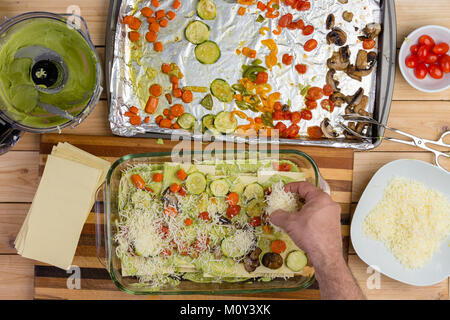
(156, 90)
(181, 174)
(135, 120)
(158, 119)
(146, 12)
(242, 11)
(232, 198)
(177, 93)
(135, 23)
(171, 15)
(154, 26)
(147, 120)
(165, 123)
(158, 46)
(187, 96)
(278, 246)
(176, 126)
(165, 68)
(155, 3)
(175, 187)
(134, 110)
(176, 4)
(160, 14)
(127, 19)
(163, 23)
(138, 181)
(152, 104)
(157, 177)
(151, 20)
(151, 36)
(177, 110)
(168, 98)
(134, 36)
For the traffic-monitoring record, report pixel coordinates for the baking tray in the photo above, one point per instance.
(387, 44)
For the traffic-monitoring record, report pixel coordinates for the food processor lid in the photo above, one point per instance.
(49, 75)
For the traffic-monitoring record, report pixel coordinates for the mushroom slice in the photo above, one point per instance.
(169, 198)
(330, 21)
(353, 73)
(272, 260)
(347, 16)
(360, 108)
(330, 80)
(337, 36)
(340, 60)
(343, 1)
(254, 255)
(361, 60)
(347, 134)
(328, 130)
(356, 98)
(338, 98)
(372, 30)
(251, 262)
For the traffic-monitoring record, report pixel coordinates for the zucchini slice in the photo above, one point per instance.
(206, 9)
(208, 124)
(196, 183)
(186, 121)
(222, 90)
(219, 187)
(253, 191)
(255, 208)
(197, 32)
(207, 52)
(238, 244)
(296, 260)
(207, 102)
(225, 122)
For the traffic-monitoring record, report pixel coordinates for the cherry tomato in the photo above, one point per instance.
(285, 20)
(277, 106)
(306, 114)
(315, 132)
(414, 48)
(303, 5)
(426, 40)
(422, 53)
(233, 211)
(314, 93)
(328, 90)
(296, 117)
(308, 30)
(369, 44)
(431, 58)
(435, 71)
(412, 61)
(300, 24)
(281, 127)
(255, 221)
(440, 48)
(292, 131)
(444, 63)
(310, 45)
(287, 59)
(301, 68)
(421, 71)
(289, 2)
(310, 104)
(262, 77)
(327, 104)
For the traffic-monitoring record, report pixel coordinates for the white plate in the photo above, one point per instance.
(429, 85)
(375, 253)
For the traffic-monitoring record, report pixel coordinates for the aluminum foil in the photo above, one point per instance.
(136, 66)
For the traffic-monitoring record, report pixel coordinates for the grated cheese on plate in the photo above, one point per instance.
(411, 220)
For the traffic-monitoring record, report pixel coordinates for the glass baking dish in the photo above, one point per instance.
(105, 231)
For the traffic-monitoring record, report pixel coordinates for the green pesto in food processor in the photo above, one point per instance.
(45, 62)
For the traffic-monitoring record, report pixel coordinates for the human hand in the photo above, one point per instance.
(316, 228)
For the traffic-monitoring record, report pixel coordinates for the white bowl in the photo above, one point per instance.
(439, 34)
(375, 253)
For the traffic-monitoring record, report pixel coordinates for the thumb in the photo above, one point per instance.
(280, 218)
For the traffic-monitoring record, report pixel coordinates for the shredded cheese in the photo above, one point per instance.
(411, 220)
(281, 200)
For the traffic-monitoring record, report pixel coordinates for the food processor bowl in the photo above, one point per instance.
(50, 74)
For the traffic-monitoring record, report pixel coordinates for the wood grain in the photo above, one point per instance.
(16, 277)
(18, 176)
(12, 216)
(394, 290)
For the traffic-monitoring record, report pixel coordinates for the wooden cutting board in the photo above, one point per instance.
(336, 166)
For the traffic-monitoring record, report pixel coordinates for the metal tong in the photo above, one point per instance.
(416, 141)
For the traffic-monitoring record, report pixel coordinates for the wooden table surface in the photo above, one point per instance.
(427, 115)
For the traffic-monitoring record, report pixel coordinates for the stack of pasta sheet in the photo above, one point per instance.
(61, 205)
